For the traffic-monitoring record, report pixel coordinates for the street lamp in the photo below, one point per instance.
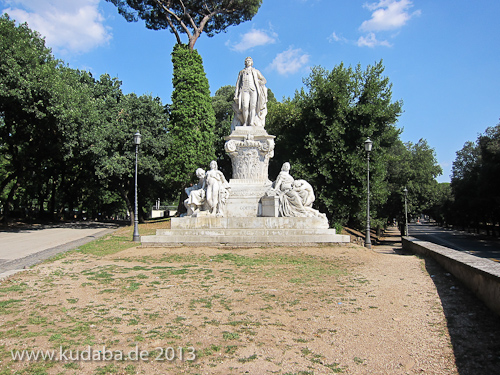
(368, 149)
(406, 213)
(137, 142)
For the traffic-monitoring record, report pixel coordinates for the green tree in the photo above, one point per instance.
(322, 130)
(192, 117)
(191, 129)
(112, 146)
(415, 167)
(464, 182)
(222, 103)
(489, 146)
(190, 17)
(442, 208)
(475, 179)
(35, 109)
(61, 129)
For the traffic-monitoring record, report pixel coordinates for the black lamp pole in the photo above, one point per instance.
(137, 142)
(368, 149)
(406, 213)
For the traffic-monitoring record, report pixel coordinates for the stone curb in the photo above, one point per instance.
(481, 276)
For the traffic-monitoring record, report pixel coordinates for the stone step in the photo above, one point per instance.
(206, 222)
(244, 232)
(295, 240)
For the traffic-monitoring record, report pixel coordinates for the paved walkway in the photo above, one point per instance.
(22, 248)
(390, 243)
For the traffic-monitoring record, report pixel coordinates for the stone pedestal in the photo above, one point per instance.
(270, 206)
(250, 148)
(245, 198)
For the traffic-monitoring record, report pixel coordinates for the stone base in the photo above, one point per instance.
(291, 231)
(270, 206)
(244, 200)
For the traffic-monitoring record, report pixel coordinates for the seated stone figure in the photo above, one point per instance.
(295, 196)
(196, 194)
(305, 191)
(209, 195)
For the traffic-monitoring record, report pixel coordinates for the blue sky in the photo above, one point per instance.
(442, 57)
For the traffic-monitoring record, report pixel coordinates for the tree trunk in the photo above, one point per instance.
(130, 206)
(9, 200)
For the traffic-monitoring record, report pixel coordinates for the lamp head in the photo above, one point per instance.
(368, 145)
(137, 139)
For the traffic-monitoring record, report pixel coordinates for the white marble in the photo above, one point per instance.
(250, 150)
(250, 97)
(209, 196)
(295, 197)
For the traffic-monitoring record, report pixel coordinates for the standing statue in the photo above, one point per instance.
(217, 190)
(250, 97)
(295, 196)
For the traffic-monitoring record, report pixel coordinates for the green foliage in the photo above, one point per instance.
(322, 130)
(442, 208)
(191, 17)
(61, 129)
(475, 180)
(191, 128)
(30, 105)
(222, 102)
(415, 167)
(112, 146)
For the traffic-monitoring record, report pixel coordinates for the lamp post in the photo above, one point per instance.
(137, 142)
(406, 212)
(368, 149)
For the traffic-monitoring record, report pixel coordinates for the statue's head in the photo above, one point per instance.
(213, 164)
(248, 61)
(200, 173)
(286, 167)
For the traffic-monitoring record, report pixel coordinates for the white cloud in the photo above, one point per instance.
(290, 61)
(67, 25)
(337, 38)
(254, 38)
(388, 15)
(370, 40)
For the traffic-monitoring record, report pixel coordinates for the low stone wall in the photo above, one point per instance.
(481, 276)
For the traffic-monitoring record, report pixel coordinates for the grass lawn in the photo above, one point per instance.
(110, 307)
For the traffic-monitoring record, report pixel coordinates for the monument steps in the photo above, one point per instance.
(291, 231)
(244, 232)
(235, 240)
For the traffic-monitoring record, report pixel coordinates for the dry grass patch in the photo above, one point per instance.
(317, 310)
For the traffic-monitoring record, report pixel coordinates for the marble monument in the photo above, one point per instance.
(250, 208)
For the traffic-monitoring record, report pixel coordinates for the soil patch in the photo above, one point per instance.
(317, 310)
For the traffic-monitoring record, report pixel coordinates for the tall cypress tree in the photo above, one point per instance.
(192, 119)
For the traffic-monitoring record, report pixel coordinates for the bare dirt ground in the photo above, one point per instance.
(282, 310)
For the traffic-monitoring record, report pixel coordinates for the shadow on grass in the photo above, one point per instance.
(474, 329)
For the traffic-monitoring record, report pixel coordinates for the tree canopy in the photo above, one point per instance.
(192, 120)
(474, 182)
(190, 17)
(66, 138)
(322, 130)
